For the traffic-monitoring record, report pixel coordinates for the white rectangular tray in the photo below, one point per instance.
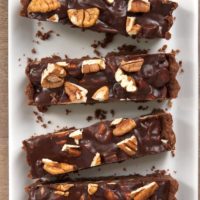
(22, 122)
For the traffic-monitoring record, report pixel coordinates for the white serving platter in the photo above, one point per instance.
(73, 42)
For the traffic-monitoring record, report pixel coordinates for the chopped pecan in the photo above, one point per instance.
(76, 135)
(66, 194)
(144, 192)
(134, 65)
(76, 93)
(96, 160)
(92, 188)
(72, 150)
(54, 18)
(116, 121)
(125, 81)
(129, 145)
(53, 76)
(93, 65)
(102, 94)
(124, 127)
(138, 6)
(43, 6)
(131, 27)
(83, 17)
(56, 168)
(62, 187)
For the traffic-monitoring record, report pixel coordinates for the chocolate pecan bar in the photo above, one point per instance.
(144, 77)
(68, 150)
(135, 18)
(155, 186)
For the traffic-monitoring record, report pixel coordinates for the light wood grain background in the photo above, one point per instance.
(3, 101)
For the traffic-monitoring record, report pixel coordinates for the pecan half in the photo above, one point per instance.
(56, 168)
(134, 65)
(102, 94)
(92, 188)
(72, 150)
(93, 65)
(125, 81)
(124, 127)
(76, 93)
(129, 145)
(53, 76)
(144, 192)
(76, 135)
(83, 17)
(137, 6)
(43, 6)
(131, 27)
(96, 160)
(54, 18)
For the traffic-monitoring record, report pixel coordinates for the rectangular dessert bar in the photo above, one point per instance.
(144, 77)
(135, 18)
(55, 155)
(155, 186)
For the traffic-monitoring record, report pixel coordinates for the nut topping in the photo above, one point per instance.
(96, 160)
(102, 94)
(56, 168)
(125, 81)
(138, 6)
(110, 1)
(54, 18)
(66, 194)
(116, 121)
(43, 6)
(132, 65)
(76, 93)
(76, 135)
(83, 17)
(144, 192)
(124, 127)
(62, 186)
(129, 145)
(92, 188)
(72, 150)
(93, 65)
(131, 27)
(53, 76)
(62, 64)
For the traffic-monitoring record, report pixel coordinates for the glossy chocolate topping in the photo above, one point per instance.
(155, 23)
(107, 189)
(153, 134)
(156, 80)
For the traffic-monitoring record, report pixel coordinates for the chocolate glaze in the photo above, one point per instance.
(121, 188)
(112, 19)
(155, 81)
(149, 132)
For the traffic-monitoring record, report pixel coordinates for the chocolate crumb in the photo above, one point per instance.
(100, 114)
(163, 48)
(49, 122)
(44, 125)
(153, 168)
(89, 118)
(44, 36)
(112, 112)
(33, 51)
(57, 34)
(173, 153)
(19, 59)
(67, 111)
(143, 107)
(124, 169)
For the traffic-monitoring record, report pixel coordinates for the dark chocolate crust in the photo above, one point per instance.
(119, 188)
(156, 80)
(112, 18)
(152, 134)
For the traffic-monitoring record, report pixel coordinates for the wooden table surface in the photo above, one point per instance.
(3, 102)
